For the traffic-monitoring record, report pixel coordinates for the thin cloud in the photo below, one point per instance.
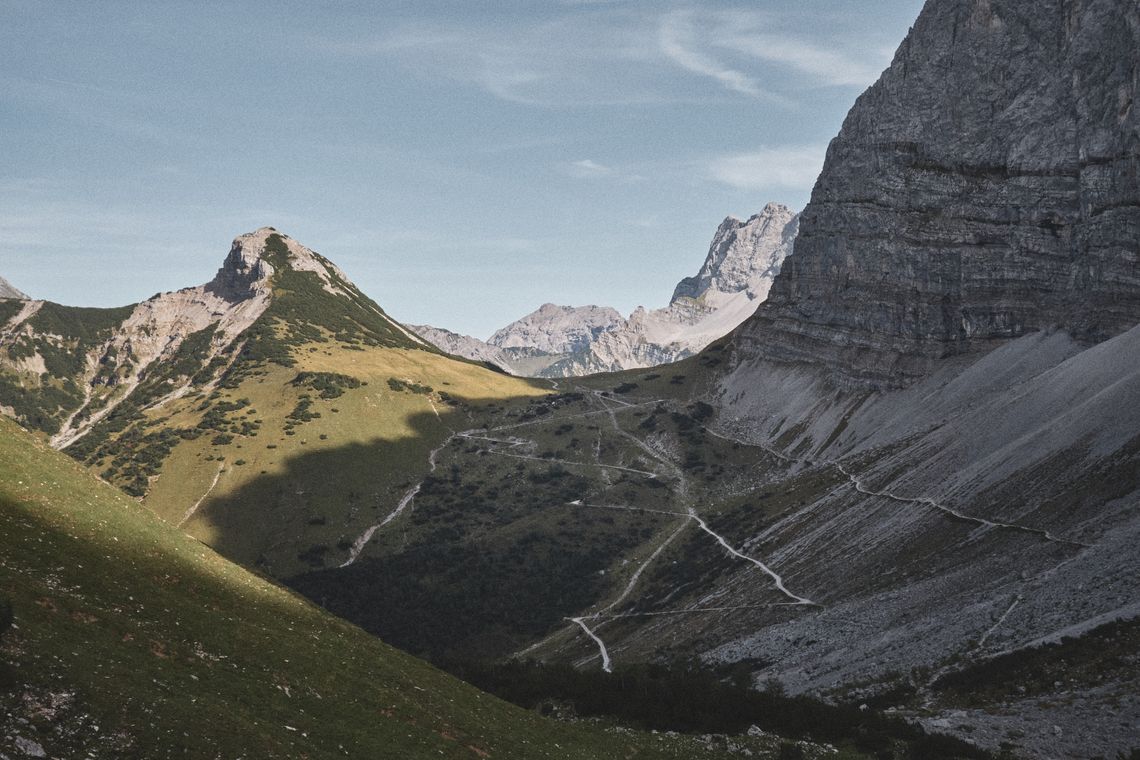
(794, 167)
(588, 169)
(613, 54)
(675, 36)
(824, 65)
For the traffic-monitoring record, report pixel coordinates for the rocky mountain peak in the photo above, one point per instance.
(8, 291)
(557, 329)
(255, 256)
(744, 255)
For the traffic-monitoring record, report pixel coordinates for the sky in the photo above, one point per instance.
(464, 162)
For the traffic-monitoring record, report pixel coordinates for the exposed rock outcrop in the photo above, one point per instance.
(987, 186)
(109, 353)
(744, 256)
(463, 345)
(557, 329)
(8, 291)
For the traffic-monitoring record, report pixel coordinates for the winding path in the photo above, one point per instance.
(774, 575)
(363, 539)
(927, 501)
(190, 512)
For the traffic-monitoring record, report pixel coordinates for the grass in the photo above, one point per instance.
(321, 475)
(134, 640)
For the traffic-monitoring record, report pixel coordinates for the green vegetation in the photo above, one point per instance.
(400, 386)
(9, 308)
(686, 697)
(134, 640)
(328, 385)
(1097, 657)
(303, 312)
(40, 404)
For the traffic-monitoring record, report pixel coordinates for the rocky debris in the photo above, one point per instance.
(1097, 722)
(29, 747)
(987, 186)
(7, 290)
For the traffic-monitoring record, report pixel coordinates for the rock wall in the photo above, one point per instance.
(987, 186)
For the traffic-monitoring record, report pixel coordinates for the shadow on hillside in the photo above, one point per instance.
(486, 558)
(324, 496)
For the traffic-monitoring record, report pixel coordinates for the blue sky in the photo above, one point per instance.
(464, 162)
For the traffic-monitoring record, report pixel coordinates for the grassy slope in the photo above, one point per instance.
(134, 640)
(492, 555)
(335, 474)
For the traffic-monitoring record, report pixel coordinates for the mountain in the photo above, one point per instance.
(131, 639)
(462, 345)
(909, 480)
(563, 341)
(557, 329)
(742, 262)
(972, 196)
(271, 291)
(191, 396)
(8, 291)
(956, 339)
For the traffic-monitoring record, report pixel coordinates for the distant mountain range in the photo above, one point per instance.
(563, 341)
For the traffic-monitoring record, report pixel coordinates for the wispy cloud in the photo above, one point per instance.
(601, 53)
(795, 167)
(822, 65)
(587, 169)
(676, 39)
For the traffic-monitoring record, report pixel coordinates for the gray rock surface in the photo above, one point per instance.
(557, 329)
(744, 255)
(462, 345)
(987, 186)
(8, 291)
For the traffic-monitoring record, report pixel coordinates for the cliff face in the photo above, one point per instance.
(986, 187)
(744, 256)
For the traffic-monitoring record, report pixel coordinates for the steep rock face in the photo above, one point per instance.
(987, 186)
(8, 291)
(744, 256)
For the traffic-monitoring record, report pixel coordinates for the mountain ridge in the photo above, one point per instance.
(564, 341)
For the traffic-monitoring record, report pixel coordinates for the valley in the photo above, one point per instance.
(867, 487)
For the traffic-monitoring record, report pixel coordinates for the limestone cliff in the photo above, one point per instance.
(987, 186)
